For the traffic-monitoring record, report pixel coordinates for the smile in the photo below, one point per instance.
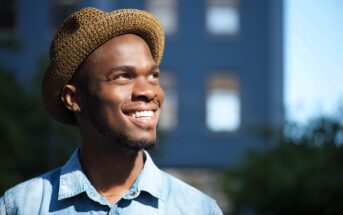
(141, 114)
(144, 119)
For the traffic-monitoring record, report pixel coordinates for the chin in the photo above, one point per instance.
(131, 141)
(137, 145)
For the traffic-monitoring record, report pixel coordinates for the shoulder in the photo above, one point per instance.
(174, 184)
(2, 206)
(30, 193)
(35, 185)
(181, 194)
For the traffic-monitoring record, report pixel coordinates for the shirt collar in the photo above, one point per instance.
(151, 179)
(73, 181)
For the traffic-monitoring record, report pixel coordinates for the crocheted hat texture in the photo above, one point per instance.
(83, 32)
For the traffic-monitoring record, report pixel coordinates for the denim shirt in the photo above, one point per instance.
(67, 190)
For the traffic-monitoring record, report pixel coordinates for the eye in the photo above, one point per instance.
(153, 75)
(119, 78)
(123, 75)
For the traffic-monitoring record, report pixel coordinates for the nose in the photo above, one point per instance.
(143, 90)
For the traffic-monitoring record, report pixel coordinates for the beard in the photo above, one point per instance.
(118, 138)
(122, 140)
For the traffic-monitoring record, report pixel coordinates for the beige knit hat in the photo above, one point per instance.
(83, 32)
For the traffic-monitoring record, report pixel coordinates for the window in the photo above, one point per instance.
(166, 12)
(168, 117)
(8, 15)
(61, 9)
(223, 103)
(8, 22)
(222, 17)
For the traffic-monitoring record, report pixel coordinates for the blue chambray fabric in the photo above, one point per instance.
(67, 190)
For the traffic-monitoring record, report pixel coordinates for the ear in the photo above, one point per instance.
(69, 97)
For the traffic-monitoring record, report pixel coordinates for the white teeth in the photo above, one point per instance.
(139, 114)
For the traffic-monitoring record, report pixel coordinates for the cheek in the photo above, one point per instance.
(101, 103)
(160, 95)
(118, 95)
(114, 94)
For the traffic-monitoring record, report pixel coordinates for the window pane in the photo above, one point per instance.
(166, 12)
(168, 117)
(222, 17)
(223, 103)
(8, 16)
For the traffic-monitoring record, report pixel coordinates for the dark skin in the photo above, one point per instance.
(116, 91)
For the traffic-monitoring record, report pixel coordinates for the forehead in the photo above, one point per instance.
(122, 49)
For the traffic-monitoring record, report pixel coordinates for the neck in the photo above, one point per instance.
(111, 171)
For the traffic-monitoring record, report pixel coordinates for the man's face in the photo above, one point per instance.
(121, 95)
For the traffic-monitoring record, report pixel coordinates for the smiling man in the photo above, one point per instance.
(104, 78)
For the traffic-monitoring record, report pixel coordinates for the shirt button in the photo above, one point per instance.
(134, 193)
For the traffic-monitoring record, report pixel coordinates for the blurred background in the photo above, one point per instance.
(253, 110)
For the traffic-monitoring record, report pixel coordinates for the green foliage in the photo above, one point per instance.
(8, 40)
(30, 142)
(302, 174)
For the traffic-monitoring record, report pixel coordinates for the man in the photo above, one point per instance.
(103, 77)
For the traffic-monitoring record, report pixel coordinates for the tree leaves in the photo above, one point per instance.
(300, 175)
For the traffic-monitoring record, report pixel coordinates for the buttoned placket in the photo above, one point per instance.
(95, 196)
(114, 210)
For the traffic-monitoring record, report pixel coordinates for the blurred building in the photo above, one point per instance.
(222, 69)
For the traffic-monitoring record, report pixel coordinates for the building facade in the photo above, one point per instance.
(221, 71)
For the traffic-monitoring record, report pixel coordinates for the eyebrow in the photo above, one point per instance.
(125, 68)
(154, 67)
(131, 69)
